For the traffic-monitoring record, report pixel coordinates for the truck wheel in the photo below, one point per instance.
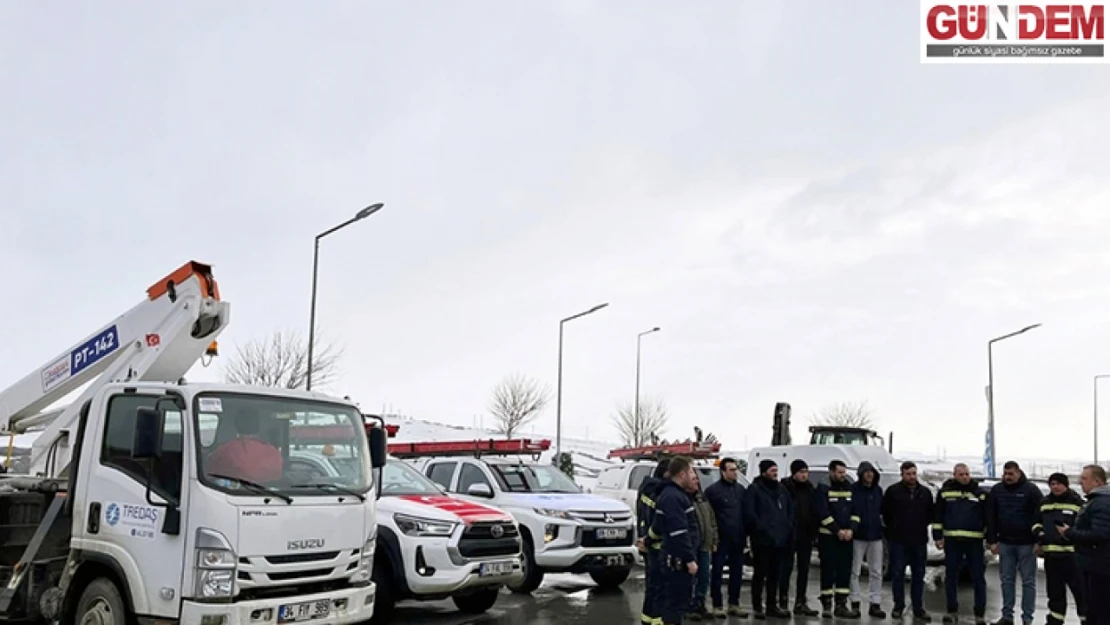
(478, 602)
(610, 579)
(101, 604)
(385, 598)
(533, 576)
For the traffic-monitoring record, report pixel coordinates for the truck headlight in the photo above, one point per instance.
(365, 562)
(215, 564)
(416, 526)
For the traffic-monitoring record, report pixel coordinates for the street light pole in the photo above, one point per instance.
(359, 216)
(636, 402)
(1097, 378)
(989, 459)
(559, 380)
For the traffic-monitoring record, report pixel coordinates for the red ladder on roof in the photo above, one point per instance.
(488, 447)
(690, 449)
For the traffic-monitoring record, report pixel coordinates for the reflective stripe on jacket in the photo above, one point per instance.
(960, 511)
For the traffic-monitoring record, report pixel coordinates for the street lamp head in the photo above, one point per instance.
(369, 210)
(597, 308)
(1028, 328)
(655, 329)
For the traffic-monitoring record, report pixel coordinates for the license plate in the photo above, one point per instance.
(493, 569)
(612, 533)
(616, 560)
(307, 611)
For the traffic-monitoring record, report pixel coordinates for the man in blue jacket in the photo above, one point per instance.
(834, 509)
(769, 516)
(867, 539)
(726, 495)
(676, 525)
(1091, 537)
(650, 546)
(1013, 506)
(958, 529)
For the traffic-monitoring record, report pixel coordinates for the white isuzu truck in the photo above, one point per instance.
(154, 500)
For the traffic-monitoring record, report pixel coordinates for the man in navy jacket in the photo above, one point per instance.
(867, 539)
(1091, 537)
(726, 495)
(1013, 506)
(676, 524)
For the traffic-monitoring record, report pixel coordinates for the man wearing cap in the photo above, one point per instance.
(650, 545)
(769, 516)
(1061, 568)
(800, 550)
(727, 495)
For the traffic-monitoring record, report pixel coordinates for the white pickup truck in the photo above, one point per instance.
(563, 530)
(430, 546)
(622, 481)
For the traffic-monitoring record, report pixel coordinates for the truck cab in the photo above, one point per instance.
(839, 435)
(563, 530)
(430, 545)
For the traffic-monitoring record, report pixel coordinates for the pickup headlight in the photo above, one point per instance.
(556, 514)
(365, 562)
(416, 526)
(216, 564)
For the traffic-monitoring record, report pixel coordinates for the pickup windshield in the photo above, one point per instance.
(533, 478)
(258, 444)
(399, 479)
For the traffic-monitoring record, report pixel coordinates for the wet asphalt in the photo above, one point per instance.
(573, 600)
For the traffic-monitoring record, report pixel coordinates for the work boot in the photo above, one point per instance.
(855, 606)
(784, 603)
(801, 609)
(843, 611)
(778, 612)
(876, 611)
(896, 613)
(737, 611)
(719, 613)
(921, 616)
(980, 619)
(693, 615)
(826, 607)
(951, 618)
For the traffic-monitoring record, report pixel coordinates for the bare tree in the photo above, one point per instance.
(637, 430)
(281, 360)
(847, 414)
(517, 401)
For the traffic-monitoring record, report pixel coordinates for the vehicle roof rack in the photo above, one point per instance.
(690, 449)
(476, 448)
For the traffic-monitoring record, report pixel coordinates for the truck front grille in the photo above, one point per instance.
(478, 540)
(260, 572)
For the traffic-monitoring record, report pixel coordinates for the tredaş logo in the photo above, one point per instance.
(111, 514)
(1030, 32)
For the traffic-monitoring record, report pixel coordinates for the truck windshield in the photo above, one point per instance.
(533, 478)
(399, 479)
(245, 443)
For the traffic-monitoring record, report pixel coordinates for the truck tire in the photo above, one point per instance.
(385, 598)
(478, 602)
(610, 579)
(533, 576)
(101, 604)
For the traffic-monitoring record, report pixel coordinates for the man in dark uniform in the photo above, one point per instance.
(800, 551)
(1091, 537)
(834, 511)
(959, 527)
(1061, 568)
(727, 495)
(649, 545)
(677, 526)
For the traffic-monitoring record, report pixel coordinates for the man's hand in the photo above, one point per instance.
(1063, 529)
(1038, 550)
(940, 544)
(994, 548)
(692, 568)
(640, 545)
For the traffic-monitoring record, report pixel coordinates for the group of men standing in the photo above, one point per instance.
(689, 536)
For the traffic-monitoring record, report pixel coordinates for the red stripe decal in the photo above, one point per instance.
(468, 511)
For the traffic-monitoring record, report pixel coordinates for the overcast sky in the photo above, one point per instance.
(809, 213)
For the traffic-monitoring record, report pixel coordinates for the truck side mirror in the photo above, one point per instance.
(146, 442)
(480, 490)
(378, 450)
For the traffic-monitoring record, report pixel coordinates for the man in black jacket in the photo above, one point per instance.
(907, 514)
(727, 495)
(677, 526)
(1061, 569)
(1013, 506)
(769, 515)
(800, 552)
(650, 545)
(1091, 537)
(834, 512)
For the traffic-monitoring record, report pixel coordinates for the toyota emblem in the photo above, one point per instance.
(497, 531)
